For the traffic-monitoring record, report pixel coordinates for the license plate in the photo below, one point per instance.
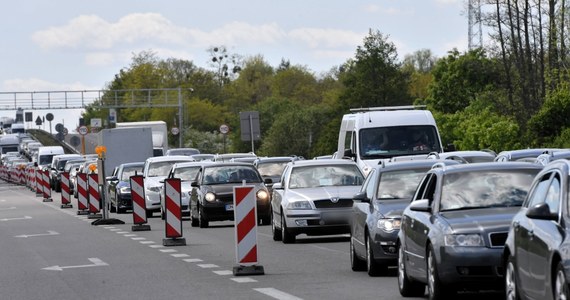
(229, 207)
(333, 216)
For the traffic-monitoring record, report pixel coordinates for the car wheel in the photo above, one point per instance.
(265, 220)
(372, 267)
(356, 263)
(274, 231)
(286, 236)
(193, 219)
(112, 207)
(436, 290)
(407, 287)
(511, 292)
(560, 284)
(202, 222)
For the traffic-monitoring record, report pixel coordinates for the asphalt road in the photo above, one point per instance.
(47, 252)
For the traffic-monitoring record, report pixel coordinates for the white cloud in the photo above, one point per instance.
(448, 1)
(35, 84)
(329, 38)
(460, 44)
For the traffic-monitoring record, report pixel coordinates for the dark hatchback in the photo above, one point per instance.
(119, 186)
(453, 232)
(212, 196)
(537, 251)
(377, 211)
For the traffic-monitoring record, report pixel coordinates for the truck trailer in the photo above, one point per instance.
(159, 134)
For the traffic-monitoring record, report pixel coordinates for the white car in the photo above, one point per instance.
(187, 172)
(314, 198)
(154, 171)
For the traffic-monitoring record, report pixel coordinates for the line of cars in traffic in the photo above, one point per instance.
(450, 222)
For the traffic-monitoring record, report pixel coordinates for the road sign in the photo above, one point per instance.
(59, 127)
(39, 121)
(82, 130)
(224, 128)
(96, 122)
(49, 117)
(65, 131)
(175, 130)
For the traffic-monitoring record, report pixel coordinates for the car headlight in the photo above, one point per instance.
(262, 195)
(388, 225)
(464, 240)
(155, 189)
(210, 197)
(125, 190)
(299, 205)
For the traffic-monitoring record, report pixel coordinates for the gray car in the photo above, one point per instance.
(453, 232)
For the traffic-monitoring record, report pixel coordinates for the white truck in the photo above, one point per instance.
(125, 145)
(159, 134)
(368, 135)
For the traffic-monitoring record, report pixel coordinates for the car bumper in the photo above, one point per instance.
(152, 200)
(384, 246)
(470, 265)
(124, 201)
(314, 222)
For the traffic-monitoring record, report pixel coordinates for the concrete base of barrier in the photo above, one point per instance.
(39, 195)
(248, 270)
(94, 216)
(82, 212)
(140, 227)
(66, 206)
(47, 200)
(174, 242)
(109, 221)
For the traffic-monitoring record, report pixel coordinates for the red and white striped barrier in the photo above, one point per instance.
(46, 188)
(82, 204)
(65, 202)
(245, 216)
(39, 184)
(93, 188)
(173, 213)
(139, 203)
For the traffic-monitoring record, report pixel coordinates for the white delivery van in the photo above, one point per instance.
(368, 135)
(159, 134)
(9, 143)
(46, 154)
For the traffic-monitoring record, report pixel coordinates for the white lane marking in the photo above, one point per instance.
(208, 266)
(96, 263)
(146, 242)
(243, 279)
(224, 272)
(122, 232)
(138, 239)
(191, 260)
(13, 219)
(156, 246)
(277, 294)
(167, 250)
(179, 255)
(130, 235)
(8, 208)
(116, 229)
(50, 232)
(108, 227)
(328, 249)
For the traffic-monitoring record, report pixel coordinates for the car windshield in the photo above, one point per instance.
(325, 175)
(160, 168)
(186, 173)
(130, 171)
(271, 169)
(386, 142)
(483, 189)
(230, 174)
(399, 184)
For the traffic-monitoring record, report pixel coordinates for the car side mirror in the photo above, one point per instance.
(361, 196)
(278, 186)
(422, 205)
(348, 153)
(112, 178)
(541, 212)
(194, 184)
(450, 148)
(268, 181)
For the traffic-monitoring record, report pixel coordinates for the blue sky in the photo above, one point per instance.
(81, 45)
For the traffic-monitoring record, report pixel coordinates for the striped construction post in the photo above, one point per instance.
(245, 216)
(173, 213)
(93, 191)
(82, 204)
(39, 184)
(139, 204)
(46, 188)
(65, 202)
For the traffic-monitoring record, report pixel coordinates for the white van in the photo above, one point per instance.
(368, 135)
(46, 154)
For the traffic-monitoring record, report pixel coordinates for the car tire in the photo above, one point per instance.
(407, 286)
(274, 231)
(560, 285)
(202, 222)
(286, 236)
(511, 289)
(356, 263)
(372, 267)
(436, 289)
(265, 220)
(193, 220)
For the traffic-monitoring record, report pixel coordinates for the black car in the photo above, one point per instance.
(536, 255)
(377, 211)
(212, 196)
(453, 232)
(119, 186)
(272, 167)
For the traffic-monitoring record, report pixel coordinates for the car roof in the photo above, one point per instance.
(169, 158)
(192, 164)
(413, 164)
(276, 159)
(132, 164)
(460, 168)
(322, 162)
(228, 164)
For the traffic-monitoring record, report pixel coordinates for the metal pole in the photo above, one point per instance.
(180, 110)
(251, 133)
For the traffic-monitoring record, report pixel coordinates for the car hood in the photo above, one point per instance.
(325, 192)
(391, 208)
(222, 189)
(154, 181)
(484, 219)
